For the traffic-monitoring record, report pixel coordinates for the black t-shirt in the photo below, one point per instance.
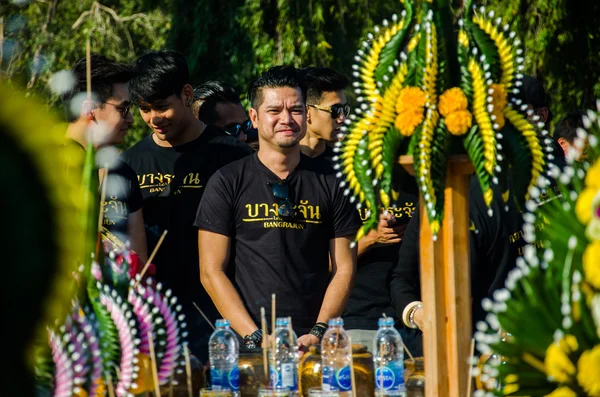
(269, 255)
(493, 252)
(371, 297)
(123, 195)
(172, 181)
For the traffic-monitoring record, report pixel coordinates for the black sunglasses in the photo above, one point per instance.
(237, 129)
(336, 110)
(282, 193)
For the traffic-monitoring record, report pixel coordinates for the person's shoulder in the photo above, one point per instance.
(142, 145)
(318, 165)
(120, 167)
(216, 136)
(236, 167)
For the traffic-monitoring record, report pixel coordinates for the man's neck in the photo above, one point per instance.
(280, 162)
(78, 131)
(312, 146)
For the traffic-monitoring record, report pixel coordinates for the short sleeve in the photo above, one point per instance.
(215, 211)
(135, 201)
(346, 220)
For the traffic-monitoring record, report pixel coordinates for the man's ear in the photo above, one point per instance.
(564, 144)
(88, 110)
(308, 114)
(187, 93)
(253, 117)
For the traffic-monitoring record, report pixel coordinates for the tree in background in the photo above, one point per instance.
(41, 38)
(562, 47)
(234, 40)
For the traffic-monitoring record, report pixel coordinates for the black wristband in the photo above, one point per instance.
(253, 340)
(318, 330)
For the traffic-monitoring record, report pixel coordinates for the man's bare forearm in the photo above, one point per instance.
(228, 302)
(336, 296)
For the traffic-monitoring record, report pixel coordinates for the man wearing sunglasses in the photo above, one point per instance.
(269, 223)
(106, 118)
(327, 108)
(217, 103)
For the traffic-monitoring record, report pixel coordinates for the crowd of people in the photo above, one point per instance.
(252, 206)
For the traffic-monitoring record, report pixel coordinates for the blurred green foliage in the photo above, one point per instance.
(234, 40)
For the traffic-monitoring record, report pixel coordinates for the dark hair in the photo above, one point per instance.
(104, 73)
(158, 75)
(206, 97)
(317, 80)
(277, 76)
(566, 128)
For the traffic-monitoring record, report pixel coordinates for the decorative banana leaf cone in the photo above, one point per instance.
(430, 88)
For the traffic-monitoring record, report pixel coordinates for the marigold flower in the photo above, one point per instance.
(557, 363)
(407, 121)
(592, 178)
(591, 264)
(451, 101)
(583, 207)
(459, 122)
(588, 369)
(499, 117)
(562, 392)
(410, 99)
(499, 97)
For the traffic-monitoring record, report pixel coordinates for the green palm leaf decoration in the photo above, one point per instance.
(555, 287)
(442, 89)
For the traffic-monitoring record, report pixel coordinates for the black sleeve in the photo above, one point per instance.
(346, 220)
(215, 211)
(135, 199)
(406, 283)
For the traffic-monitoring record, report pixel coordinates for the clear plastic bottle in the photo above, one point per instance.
(388, 357)
(223, 350)
(285, 372)
(336, 356)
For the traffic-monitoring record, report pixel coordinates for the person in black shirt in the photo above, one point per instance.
(268, 224)
(493, 250)
(106, 119)
(173, 165)
(377, 257)
(327, 109)
(218, 103)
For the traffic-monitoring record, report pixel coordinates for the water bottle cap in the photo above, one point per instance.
(222, 323)
(336, 321)
(386, 321)
(282, 321)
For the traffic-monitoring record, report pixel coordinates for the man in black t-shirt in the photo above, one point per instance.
(173, 165)
(270, 222)
(106, 118)
(377, 258)
(327, 109)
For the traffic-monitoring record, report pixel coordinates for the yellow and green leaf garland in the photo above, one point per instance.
(431, 89)
(549, 312)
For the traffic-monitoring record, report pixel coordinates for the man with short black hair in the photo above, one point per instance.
(565, 134)
(270, 222)
(218, 103)
(173, 165)
(327, 108)
(106, 119)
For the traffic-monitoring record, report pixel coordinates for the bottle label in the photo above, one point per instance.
(390, 378)
(229, 379)
(339, 379)
(286, 378)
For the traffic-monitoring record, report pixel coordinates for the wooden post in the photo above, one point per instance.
(446, 286)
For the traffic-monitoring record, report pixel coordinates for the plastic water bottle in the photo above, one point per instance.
(336, 356)
(388, 356)
(285, 372)
(223, 350)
